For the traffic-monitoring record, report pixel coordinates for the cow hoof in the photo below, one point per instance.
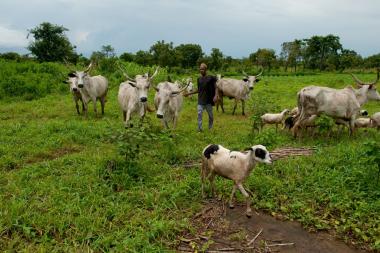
(249, 214)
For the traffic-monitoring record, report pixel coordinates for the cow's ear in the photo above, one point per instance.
(245, 79)
(65, 81)
(132, 84)
(370, 87)
(72, 74)
(257, 80)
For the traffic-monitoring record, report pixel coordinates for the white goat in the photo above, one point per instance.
(234, 165)
(273, 118)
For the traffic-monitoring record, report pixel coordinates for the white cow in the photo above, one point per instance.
(133, 95)
(237, 89)
(341, 104)
(168, 102)
(92, 88)
(75, 91)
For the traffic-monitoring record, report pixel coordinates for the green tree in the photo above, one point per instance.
(372, 61)
(143, 58)
(216, 59)
(291, 53)
(321, 48)
(264, 57)
(108, 51)
(51, 44)
(128, 57)
(187, 55)
(163, 53)
(349, 59)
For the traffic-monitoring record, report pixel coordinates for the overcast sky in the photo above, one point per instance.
(237, 27)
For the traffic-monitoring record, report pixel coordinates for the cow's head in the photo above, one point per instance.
(72, 81)
(142, 83)
(251, 80)
(369, 88)
(80, 76)
(164, 94)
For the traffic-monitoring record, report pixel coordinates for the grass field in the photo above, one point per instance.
(65, 184)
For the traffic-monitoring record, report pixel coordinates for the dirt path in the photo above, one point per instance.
(220, 229)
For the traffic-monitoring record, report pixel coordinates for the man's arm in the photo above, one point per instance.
(191, 93)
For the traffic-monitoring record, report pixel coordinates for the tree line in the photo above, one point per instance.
(322, 53)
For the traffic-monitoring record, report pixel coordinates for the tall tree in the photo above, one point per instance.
(51, 44)
(163, 53)
(263, 57)
(216, 59)
(291, 53)
(108, 51)
(187, 55)
(321, 48)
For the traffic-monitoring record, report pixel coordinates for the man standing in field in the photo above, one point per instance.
(207, 96)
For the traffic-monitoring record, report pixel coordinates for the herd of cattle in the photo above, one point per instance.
(343, 105)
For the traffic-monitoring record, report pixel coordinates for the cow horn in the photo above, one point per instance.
(260, 73)
(125, 74)
(363, 83)
(181, 90)
(89, 67)
(244, 73)
(155, 87)
(155, 73)
(68, 65)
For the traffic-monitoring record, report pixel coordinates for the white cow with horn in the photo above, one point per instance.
(133, 95)
(168, 101)
(341, 104)
(237, 89)
(92, 88)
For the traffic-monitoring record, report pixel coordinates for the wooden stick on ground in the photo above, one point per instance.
(254, 238)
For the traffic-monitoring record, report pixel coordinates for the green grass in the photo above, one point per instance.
(65, 186)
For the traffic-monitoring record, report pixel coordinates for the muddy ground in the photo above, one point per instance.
(220, 229)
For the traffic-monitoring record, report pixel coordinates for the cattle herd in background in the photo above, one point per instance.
(343, 105)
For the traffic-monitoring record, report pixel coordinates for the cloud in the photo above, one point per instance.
(12, 38)
(80, 36)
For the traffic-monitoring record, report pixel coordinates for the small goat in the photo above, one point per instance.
(273, 118)
(234, 165)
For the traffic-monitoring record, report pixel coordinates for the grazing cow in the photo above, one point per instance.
(75, 91)
(92, 88)
(341, 104)
(168, 102)
(133, 95)
(237, 89)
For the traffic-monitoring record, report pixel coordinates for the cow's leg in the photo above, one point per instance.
(102, 103)
(94, 102)
(204, 173)
(85, 108)
(242, 106)
(235, 105)
(231, 203)
(352, 126)
(77, 106)
(127, 119)
(221, 103)
(248, 200)
(175, 120)
(124, 116)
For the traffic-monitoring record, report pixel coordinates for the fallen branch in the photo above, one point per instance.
(203, 212)
(254, 238)
(281, 244)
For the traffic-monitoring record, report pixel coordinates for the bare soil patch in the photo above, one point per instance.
(220, 229)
